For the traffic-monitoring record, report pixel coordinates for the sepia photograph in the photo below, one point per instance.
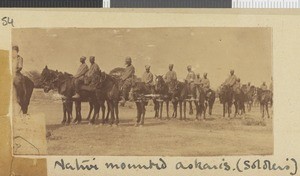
(169, 91)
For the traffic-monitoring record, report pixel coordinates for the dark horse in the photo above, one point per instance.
(108, 89)
(226, 98)
(264, 97)
(210, 98)
(250, 97)
(64, 84)
(179, 93)
(23, 88)
(161, 88)
(239, 101)
(201, 102)
(139, 92)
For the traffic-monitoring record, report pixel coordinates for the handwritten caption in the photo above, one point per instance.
(7, 21)
(289, 165)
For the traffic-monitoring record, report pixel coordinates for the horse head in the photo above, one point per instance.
(51, 79)
(160, 83)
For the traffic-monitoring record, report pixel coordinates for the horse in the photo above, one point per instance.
(201, 101)
(264, 97)
(162, 89)
(108, 89)
(210, 98)
(239, 100)
(226, 98)
(139, 90)
(250, 97)
(23, 89)
(179, 93)
(64, 84)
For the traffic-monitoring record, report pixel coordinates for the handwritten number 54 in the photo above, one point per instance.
(7, 21)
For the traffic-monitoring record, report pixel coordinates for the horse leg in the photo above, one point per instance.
(76, 112)
(79, 113)
(103, 108)
(105, 119)
(267, 110)
(191, 108)
(229, 108)
(64, 113)
(161, 109)
(91, 110)
(224, 109)
(167, 103)
(156, 108)
(197, 110)
(143, 113)
(236, 108)
(112, 113)
(117, 112)
(184, 110)
(96, 112)
(180, 109)
(263, 110)
(205, 108)
(175, 105)
(138, 115)
(69, 108)
(211, 106)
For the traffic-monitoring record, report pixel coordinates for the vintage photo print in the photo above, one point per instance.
(173, 91)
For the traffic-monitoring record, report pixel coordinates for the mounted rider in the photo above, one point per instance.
(170, 75)
(248, 86)
(237, 86)
(198, 79)
(17, 63)
(232, 82)
(127, 80)
(190, 78)
(264, 87)
(205, 83)
(148, 77)
(79, 76)
(84, 74)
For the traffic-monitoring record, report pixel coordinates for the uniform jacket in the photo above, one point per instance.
(170, 75)
(128, 72)
(83, 68)
(147, 78)
(93, 69)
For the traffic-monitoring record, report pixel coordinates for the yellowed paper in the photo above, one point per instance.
(284, 26)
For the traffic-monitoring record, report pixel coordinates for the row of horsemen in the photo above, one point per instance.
(193, 80)
(85, 75)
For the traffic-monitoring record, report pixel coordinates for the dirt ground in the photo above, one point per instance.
(212, 137)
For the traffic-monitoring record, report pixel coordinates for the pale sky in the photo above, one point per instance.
(214, 50)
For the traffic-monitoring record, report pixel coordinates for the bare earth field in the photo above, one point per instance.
(212, 137)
